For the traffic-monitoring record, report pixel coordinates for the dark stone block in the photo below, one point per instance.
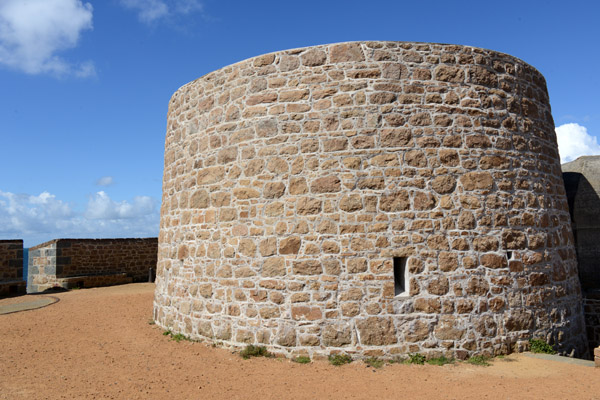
(63, 260)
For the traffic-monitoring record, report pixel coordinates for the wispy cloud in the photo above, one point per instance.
(150, 11)
(147, 10)
(105, 181)
(575, 141)
(33, 32)
(38, 218)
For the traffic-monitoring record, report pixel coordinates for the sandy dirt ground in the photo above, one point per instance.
(98, 343)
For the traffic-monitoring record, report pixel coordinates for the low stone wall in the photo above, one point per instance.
(87, 281)
(11, 260)
(591, 309)
(11, 267)
(51, 263)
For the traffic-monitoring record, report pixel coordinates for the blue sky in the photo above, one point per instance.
(85, 84)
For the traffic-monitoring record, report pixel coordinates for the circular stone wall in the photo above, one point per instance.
(377, 198)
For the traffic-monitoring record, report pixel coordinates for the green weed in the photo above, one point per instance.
(178, 337)
(374, 362)
(416, 358)
(479, 360)
(339, 359)
(440, 361)
(301, 360)
(254, 351)
(540, 346)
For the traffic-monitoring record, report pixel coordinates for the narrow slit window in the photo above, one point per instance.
(399, 275)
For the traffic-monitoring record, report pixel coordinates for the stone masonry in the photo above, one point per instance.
(11, 268)
(591, 309)
(71, 263)
(373, 198)
(582, 184)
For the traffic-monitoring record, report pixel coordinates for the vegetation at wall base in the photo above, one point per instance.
(301, 360)
(339, 359)
(178, 337)
(416, 358)
(443, 360)
(254, 351)
(374, 362)
(479, 360)
(540, 346)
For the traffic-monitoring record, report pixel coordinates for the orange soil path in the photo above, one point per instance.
(98, 343)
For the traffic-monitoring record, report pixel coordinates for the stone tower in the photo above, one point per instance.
(376, 198)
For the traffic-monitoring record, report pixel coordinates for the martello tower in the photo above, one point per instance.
(377, 198)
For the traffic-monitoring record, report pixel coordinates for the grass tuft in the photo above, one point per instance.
(301, 360)
(540, 346)
(374, 362)
(339, 359)
(416, 358)
(178, 337)
(254, 351)
(443, 360)
(479, 360)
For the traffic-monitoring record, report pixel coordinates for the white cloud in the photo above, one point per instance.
(149, 11)
(100, 206)
(105, 181)
(25, 213)
(32, 32)
(37, 219)
(575, 141)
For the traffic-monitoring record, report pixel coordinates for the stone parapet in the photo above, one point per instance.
(376, 198)
(12, 288)
(11, 268)
(88, 281)
(65, 262)
(582, 184)
(591, 308)
(11, 260)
